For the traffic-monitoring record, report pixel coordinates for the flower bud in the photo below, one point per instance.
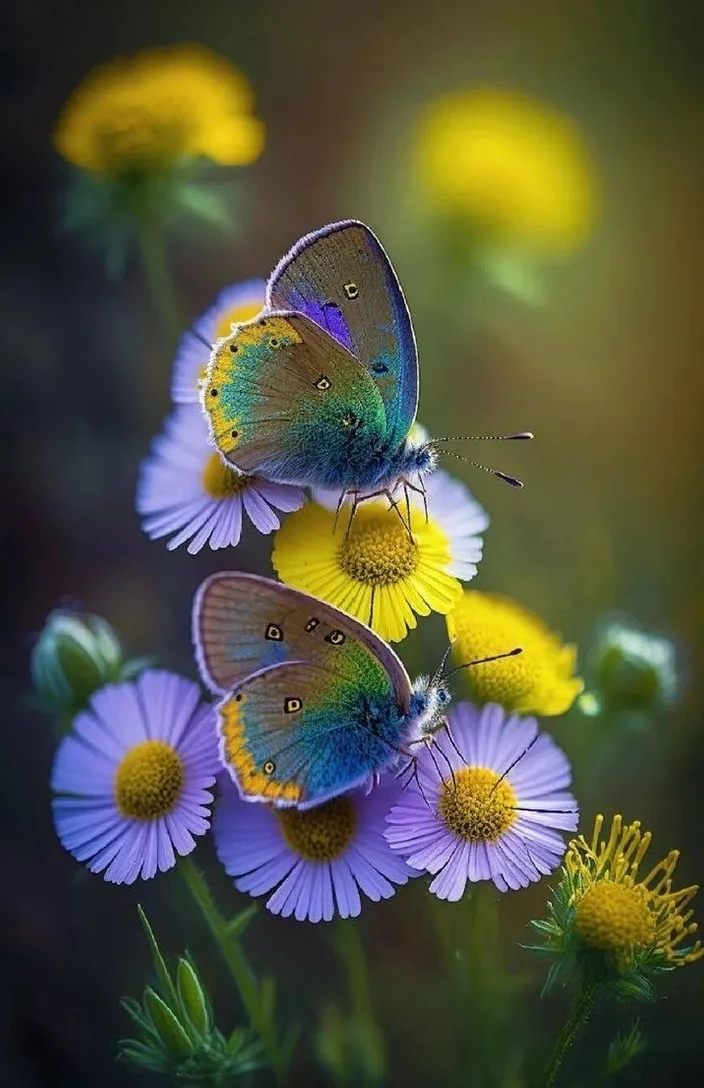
(192, 997)
(75, 654)
(632, 671)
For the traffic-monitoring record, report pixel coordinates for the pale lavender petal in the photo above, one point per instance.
(259, 512)
(80, 769)
(283, 496)
(285, 899)
(349, 904)
(452, 880)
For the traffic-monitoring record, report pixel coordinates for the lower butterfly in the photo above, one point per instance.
(313, 701)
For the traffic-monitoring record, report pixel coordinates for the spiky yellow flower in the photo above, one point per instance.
(517, 170)
(541, 680)
(142, 113)
(621, 914)
(377, 571)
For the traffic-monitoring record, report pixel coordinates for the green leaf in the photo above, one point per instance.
(191, 997)
(267, 997)
(169, 1029)
(167, 987)
(236, 926)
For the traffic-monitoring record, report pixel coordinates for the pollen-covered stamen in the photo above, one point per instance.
(222, 482)
(149, 780)
(378, 551)
(322, 833)
(477, 805)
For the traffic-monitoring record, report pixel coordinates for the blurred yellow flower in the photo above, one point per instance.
(540, 680)
(515, 169)
(142, 113)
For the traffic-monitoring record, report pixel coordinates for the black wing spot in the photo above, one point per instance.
(312, 624)
(235, 434)
(292, 705)
(323, 383)
(213, 392)
(238, 697)
(380, 368)
(351, 289)
(234, 348)
(336, 638)
(262, 321)
(269, 767)
(273, 342)
(274, 633)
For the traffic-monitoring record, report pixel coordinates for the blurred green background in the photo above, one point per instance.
(607, 371)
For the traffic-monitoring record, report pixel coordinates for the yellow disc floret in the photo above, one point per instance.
(379, 552)
(477, 805)
(375, 569)
(220, 481)
(149, 780)
(322, 833)
(621, 915)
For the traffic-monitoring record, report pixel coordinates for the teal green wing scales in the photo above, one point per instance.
(286, 400)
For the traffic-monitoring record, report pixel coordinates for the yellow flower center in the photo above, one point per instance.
(237, 316)
(220, 481)
(149, 780)
(379, 552)
(476, 805)
(615, 918)
(322, 833)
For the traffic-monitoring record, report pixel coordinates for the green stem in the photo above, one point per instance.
(351, 952)
(156, 269)
(239, 967)
(581, 1008)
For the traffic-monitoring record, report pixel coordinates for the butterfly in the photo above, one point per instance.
(313, 702)
(321, 388)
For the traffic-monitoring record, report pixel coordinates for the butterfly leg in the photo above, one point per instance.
(353, 510)
(383, 492)
(420, 490)
(338, 508)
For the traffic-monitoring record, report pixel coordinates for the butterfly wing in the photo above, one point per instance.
(341, 277)
(298, 671)
(291, 734)
(286, 400)
(242, 622)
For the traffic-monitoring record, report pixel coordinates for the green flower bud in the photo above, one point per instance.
(192, 998)
(171, 1033)
(633, 671)
(75, 655)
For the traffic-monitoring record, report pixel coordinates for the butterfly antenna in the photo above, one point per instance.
(438, 674)
(518, 436)
(483, 661)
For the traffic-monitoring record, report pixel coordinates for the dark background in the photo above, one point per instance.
(608, 374)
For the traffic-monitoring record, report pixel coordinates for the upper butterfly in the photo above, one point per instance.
(321, 389)
(314, 702)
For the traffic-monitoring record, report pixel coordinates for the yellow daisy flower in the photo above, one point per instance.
(515, 169)
(140, 114)
(539, 681)
(376, 572)
(622, 915)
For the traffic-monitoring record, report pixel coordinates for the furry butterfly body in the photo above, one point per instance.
(313, 701)
(322, 388)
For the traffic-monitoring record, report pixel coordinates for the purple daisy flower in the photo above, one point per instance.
(186, 490)
(319, 859)
(240, 302)
(135, 777)
(488, 804)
